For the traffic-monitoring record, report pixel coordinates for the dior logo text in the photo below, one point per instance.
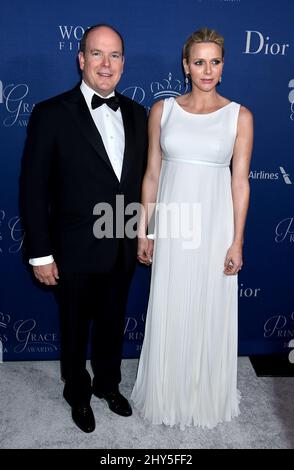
(256, 43)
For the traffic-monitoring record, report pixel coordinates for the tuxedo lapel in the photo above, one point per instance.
(79, 111)
(129, 129)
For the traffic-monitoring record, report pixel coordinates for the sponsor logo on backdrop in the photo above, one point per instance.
(291, 98)
(4, 323)
(261, 175)
(259, 43)
(284, 231)
(167, 87)
(280, 326)
(15, 101)
(31, 340)
(246, 292)
(70, 37)
(15, 233)
(27, 335)
(134, 330)
(158, 89)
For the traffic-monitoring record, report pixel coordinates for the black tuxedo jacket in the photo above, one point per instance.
(66, 172)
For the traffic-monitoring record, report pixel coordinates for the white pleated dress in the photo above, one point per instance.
(187, 372)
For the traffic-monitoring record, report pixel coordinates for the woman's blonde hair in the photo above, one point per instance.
(203, 35)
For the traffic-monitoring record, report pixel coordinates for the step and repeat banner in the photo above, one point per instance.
(39, 42)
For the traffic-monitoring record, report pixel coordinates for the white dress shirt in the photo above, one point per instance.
(110, 126)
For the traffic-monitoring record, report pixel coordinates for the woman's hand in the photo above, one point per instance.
(145, 250)
(233, 261)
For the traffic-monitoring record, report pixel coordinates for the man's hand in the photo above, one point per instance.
(47, 274)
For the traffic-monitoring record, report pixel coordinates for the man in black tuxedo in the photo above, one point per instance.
(84, 147)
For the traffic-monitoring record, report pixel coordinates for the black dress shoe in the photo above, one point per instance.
(116, 402)
(83, 417)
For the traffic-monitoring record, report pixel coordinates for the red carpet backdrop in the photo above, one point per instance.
(39, 43)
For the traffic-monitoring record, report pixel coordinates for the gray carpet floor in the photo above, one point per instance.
(34, 416)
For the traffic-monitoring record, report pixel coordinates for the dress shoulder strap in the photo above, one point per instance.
(168, 104)
(235, 109)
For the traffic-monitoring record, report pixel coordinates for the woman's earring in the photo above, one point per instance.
(220, 79)
(187, 79)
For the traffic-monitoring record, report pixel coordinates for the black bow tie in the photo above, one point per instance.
(112, 102)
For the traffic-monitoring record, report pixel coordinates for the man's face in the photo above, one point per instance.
(103, 61)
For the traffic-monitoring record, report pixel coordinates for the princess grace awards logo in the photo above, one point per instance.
(17, 108)
(282, 327)
(261, 175)
(31, 340)
(26, 335)
(134, 330)
(4, 323)
(168, 87)
(285, 230)
(11, 232)
(158, 89)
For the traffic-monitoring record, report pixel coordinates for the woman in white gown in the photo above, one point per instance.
(187, 373)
